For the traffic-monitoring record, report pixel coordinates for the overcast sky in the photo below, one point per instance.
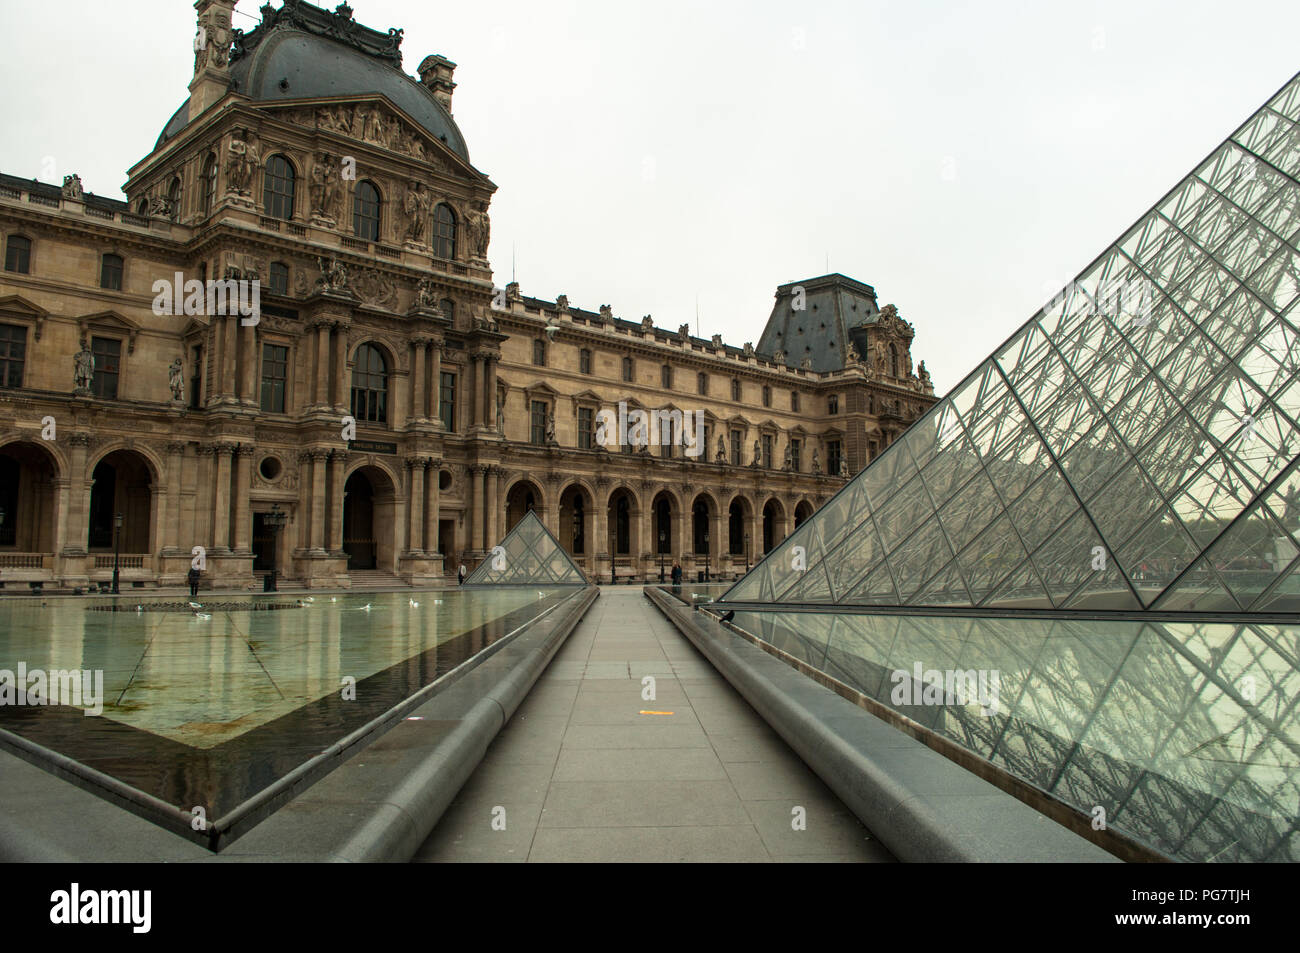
(965, 159)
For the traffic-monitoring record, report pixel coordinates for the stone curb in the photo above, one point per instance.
(920, 805)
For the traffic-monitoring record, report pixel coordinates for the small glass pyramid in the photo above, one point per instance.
(528, 556)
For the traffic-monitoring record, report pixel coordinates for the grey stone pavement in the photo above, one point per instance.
(580, 774)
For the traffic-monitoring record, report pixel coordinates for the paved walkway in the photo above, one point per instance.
(584, 775)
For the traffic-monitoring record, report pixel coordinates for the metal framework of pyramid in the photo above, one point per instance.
(529, 556)
(1132, 447)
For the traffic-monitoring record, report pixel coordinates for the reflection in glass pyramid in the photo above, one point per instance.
(1133, 446)
(528, 556)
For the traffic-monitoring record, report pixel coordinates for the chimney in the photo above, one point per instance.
(211, 54)
(435, 73)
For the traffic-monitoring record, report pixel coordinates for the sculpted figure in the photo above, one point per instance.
(816, 462)
(84, 372)
(176, 379)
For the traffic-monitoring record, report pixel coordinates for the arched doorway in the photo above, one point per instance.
(521, 498)
(622, 516)
(575, 520)
(773, 520)
(27, 498)
(369, 520)
(661, 531)
(737, 517)
(802, 512)
(122, 486)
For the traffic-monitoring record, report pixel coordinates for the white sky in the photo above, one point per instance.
(965, 159)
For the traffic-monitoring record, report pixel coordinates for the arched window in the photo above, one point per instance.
(209, 184)
(370, 385)
(277, 193)
(174, 199)
(142, 208)
(444, 232)
(18, 254)
(278, 279)
(365, 211)
(893, 360)
(110, 272)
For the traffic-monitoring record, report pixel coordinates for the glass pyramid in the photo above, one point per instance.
(1133, 446)
(528, 556)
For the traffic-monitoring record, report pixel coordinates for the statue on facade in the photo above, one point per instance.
(816, 462)
(550, 427)
(478, 229)
(806, 363)
(84, 363)
(176, 379)
(778, 357)
(333, 275)
(722, 449)
(324, 189)
(925, 376)
(758, 451)
(161, 206)
(72, 187)
(241, 163)
(851, 355)
(788, 462)
(426, 294)
(606, 314)
(416, 204)
(844, 467)
(562, 304)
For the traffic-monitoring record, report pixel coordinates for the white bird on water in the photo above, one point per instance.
(195, 606)
(307, 599)
(202, 616)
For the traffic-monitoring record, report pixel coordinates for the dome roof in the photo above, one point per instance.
(281, 60)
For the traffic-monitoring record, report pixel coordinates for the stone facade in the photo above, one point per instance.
(202, 429)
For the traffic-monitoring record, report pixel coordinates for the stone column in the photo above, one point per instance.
(435, 382)
(476, 391)
(433, 500)
(318, 458)
(78, 520)
(340, 398)
(320, 386)
(221, 498)
(248, 348)
(490, 392)
(491, 477)
(338, 460)
(755, 530)
(230, 352)
(415, 505)
(175, 478)
(600, 544)
(243, 484)
(418, 405)
(302, 516)
(474, 507)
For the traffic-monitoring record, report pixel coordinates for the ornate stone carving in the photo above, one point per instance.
(758, 454)
(374, 287)
(478, 231)
(416, 204)
(722, 449)
(324, 191)
(647, 323)
(242, 160)
(72, 187)
(778, 357)
(333, 276)
(816, 462)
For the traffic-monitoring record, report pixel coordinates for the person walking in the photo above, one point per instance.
(460, 575)
(677, 576)
(193, 577)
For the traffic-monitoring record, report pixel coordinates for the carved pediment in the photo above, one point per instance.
(109, 321)
(20, 307)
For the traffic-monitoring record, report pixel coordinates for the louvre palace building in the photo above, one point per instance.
(384, 412)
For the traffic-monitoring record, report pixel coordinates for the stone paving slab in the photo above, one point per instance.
(584, 776)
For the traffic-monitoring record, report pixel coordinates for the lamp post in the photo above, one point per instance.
(662, 539)
(117, 549)
(746, 552)
(274, 521)
(706, 555)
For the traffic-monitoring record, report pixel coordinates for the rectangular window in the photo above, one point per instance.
(702, 382)
(767, 450)
(13, 354)
(18, 254)
(796, 448)
(278, 278)
(735, 389)
(110, 273)
(586, 428)
(196, 379)
(108, 355)
(538, 422)
(275, 375)
(874, 449)
(833, 457)
(447, 402)
(627, 369)
(539, 353)
(794, 401)
(666, 375)
(584, 361)
(736, 437)
(833, 404)
(767, 396)
(706, 455)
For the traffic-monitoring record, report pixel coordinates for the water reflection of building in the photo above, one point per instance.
(377, 302)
